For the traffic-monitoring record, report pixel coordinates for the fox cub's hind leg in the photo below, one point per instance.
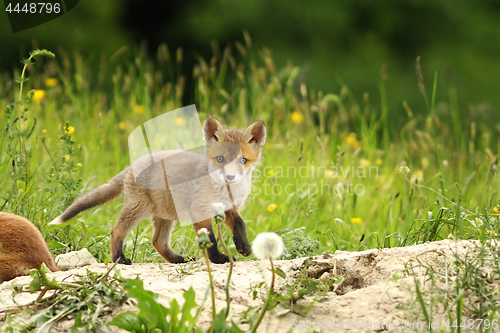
(161, 241)
(214, 254)
(130, 216)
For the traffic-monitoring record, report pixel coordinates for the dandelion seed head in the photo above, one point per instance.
(203, 239)
(203, 231)
(268, 245)
(220, 208)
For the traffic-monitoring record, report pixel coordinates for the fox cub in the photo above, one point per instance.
(22, 247)
(171, 185)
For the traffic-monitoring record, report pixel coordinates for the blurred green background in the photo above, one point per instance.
(332, 41)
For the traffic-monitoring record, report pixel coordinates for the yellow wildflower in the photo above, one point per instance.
(139, 109)
(352, 140)
(69, 130)
(297, 117)
(157, 143)
(180, 121)
(272, 207)
(67, 157)
(44, 131)
(419, 174)
(329, 173)
(51, 82)
(79, 165)
(270, 173)
(364, 162)
(122, 125)
(417, 177)
(495, 209)
(356, 220)
(425, 163)
(38, 95)
(378, 161)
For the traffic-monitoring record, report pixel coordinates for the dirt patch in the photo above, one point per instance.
(374, 291)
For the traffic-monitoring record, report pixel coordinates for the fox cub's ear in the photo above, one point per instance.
(212, 129)
(256, 133)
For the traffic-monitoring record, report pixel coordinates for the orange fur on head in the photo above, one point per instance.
(250, 141)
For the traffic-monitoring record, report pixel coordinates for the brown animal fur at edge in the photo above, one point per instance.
(22, 247)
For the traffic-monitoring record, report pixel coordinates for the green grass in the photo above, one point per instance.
(450, 149)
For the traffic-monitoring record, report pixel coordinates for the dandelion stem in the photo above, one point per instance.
(231, 264)
(266, 303)
(214, 311)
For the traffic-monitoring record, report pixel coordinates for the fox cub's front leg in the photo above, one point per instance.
(214, 254)
(235, 223)
(238, 229)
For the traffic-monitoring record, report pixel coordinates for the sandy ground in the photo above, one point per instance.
(374, 295)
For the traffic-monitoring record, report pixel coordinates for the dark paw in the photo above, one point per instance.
(245, 251)
(220, 258)
(123, 260)
(242, 245)
(242, 249)
(178, 259)
(183, 260)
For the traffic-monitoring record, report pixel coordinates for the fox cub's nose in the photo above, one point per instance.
(230, 177)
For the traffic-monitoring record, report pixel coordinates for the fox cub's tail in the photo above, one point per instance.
(96, 197)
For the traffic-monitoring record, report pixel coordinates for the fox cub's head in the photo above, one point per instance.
(232, 153)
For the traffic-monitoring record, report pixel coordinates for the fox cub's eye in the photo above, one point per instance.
(220, 159)
(243, 160)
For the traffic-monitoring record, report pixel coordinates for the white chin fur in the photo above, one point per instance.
(56, 221)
